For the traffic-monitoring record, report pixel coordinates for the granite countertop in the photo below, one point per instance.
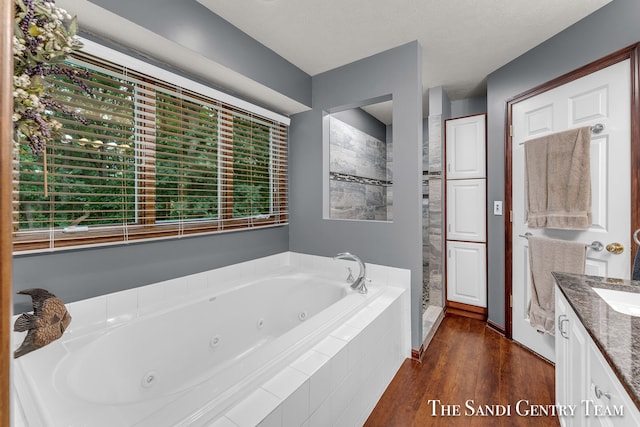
(617, 335)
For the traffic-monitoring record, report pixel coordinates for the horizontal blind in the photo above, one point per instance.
(254, 155)
(154, 160)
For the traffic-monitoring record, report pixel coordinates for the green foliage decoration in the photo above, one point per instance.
(44, 35)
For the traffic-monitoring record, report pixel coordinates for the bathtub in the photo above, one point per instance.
(193, 351)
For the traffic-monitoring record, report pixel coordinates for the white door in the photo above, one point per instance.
(467, 273)
(466, 210)
(466, 147)
(599, 98)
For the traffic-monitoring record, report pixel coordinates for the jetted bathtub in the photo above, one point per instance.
(184, 363)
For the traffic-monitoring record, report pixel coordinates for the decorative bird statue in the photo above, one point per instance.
(48, 322)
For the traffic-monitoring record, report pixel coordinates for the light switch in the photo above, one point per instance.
(497, 207)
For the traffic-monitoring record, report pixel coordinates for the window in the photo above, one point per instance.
(155, 159)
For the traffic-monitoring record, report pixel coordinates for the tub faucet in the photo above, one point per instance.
(359, 283)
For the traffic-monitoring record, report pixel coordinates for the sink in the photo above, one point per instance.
(622, 302)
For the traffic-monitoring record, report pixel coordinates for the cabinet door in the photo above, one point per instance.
(607, 402)
(571, 362)
(466, 147)
(578, 367)
(584, 379)
(467, 273)
(466, 210)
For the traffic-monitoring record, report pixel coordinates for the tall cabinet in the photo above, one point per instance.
(466, 216)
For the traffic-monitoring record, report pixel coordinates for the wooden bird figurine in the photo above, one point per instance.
(48, 322)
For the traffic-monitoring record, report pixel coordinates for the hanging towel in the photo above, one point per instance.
(558, 180)
(546, 256)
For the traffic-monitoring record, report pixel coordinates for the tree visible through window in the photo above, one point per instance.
(186, 159)
(92, 169)
(251, 162)
(154, 160)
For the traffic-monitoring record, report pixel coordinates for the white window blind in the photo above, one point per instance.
(154, 160)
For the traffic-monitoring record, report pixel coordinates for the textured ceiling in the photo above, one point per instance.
(462, 40)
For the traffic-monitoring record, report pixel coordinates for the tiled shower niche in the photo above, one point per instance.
(360, 175)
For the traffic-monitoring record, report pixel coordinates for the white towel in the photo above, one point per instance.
(558, 180)
(546, 256)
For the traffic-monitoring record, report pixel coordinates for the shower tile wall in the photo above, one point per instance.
(425, 220)
(389, 188)
(354, 200)
(425, 244)
(359, 178)
(435, 212)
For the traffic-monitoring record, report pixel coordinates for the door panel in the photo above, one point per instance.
(465, 145)
(599, 181)
(466, 212)
(602, 97)
(466, 273)
(596, 267)
(538, 122)
(588, 106)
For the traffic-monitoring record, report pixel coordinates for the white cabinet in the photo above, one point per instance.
(466, 210)
(467, 273)
(604, 390)
(466, 215)
(465, 147)
(584, 379)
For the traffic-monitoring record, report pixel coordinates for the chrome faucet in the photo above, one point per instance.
(359, 283)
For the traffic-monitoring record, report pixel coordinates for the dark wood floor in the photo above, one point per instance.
(468, 363)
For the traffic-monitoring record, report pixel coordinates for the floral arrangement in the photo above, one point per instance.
(44, 35)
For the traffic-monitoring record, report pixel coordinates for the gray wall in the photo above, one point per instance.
(611, 28)
(77, 274)
(187, 22)
(468, 106)
(398, 243)
(439, 103)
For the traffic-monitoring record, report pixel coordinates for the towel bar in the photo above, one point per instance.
(597, 128)
(595, 245)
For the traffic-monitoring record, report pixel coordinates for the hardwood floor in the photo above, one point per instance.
(468, 363)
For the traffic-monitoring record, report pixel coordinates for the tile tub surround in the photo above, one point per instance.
(338, 382)
(363, 353)
(617, 335)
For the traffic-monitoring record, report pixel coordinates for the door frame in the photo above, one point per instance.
(6, 148)
(632, 53)
(454, 307)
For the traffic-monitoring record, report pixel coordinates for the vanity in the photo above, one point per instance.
(597, 350)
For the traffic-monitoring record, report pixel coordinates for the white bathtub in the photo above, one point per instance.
(203, 346)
